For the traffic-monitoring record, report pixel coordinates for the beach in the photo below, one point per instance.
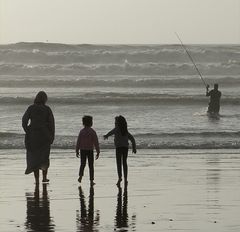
(185, 175)
(168, 190)
(163, 74)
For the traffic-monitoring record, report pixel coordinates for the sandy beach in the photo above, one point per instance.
(166, 72)
(169, 190)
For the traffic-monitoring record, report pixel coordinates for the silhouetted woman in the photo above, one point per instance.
(121, 137)
(38, 124)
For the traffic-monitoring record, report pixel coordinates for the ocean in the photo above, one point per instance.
(155, 87)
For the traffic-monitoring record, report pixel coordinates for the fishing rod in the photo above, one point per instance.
(192, 60)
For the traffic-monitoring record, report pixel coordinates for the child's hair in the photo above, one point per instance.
(122, 125)
(87, 120)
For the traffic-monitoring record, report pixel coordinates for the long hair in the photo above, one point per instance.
(122, 125)
(41, 98)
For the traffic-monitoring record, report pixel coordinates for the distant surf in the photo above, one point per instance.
(154, 86)
(204, 140)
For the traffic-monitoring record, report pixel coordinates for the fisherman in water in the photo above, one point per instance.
(214, 103)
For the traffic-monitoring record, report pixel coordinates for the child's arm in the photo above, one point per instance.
(78, 146)
(96, 144)
(131, 138)
(109, 133)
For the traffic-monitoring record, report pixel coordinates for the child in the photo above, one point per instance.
(121, 137)
(87, 140)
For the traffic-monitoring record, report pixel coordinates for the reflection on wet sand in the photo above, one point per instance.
(38, 211)
(85, 217)
(121, 218)
(213, 177)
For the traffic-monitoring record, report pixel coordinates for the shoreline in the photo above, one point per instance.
(168, 190)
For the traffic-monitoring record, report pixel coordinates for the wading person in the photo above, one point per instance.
(214, 102)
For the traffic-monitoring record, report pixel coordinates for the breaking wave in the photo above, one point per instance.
(118, 81)
(64, 59)
(124, 68)
(205, 140)
(118, 98)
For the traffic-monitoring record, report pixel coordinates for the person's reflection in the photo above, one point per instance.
(213, 178)
(121, 219)
(85, 217)
(38, 211)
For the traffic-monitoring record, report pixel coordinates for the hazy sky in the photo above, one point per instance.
(120, 21)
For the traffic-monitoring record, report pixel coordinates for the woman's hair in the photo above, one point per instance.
(41, 98)
(87, 120)
(122, 125)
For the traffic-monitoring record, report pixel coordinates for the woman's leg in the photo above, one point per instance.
(44, 173)
(36, 175)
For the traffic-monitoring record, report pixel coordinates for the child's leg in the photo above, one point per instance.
(125, 166)
(119, 163)
(83, 164)
(91, 165)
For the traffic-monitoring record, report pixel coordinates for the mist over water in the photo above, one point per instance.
(155, 86)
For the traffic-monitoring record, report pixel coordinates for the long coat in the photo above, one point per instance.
(39, 136)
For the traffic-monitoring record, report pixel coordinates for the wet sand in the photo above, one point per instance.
(168, 190)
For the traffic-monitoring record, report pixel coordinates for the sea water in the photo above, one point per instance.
(155, 87)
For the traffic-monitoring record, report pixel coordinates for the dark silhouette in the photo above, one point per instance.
(121, 219)
(214, 103)
(121, 137)
(87, 140)
(85, 217)
(38, 211)
(39, 136)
